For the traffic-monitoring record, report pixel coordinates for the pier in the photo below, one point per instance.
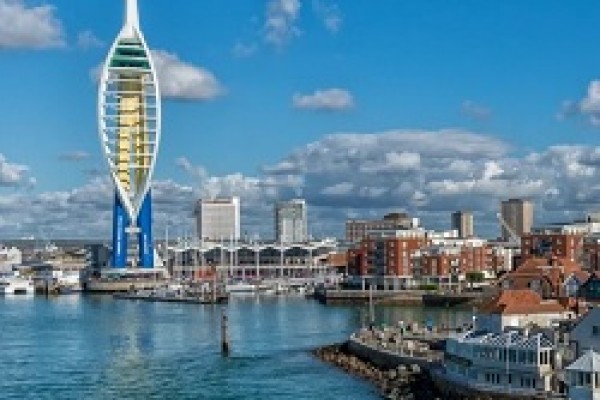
(158, 298)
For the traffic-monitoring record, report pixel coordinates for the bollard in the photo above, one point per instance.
(224, 336)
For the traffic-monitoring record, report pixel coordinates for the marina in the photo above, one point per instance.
(97, 347)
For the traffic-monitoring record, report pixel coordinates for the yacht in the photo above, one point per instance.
(240, 287)
(15, 285)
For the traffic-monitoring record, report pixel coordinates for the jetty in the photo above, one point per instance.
(165, 298)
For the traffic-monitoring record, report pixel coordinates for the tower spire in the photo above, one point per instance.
(132, 17)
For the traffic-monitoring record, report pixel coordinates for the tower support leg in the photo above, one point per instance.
(146, 244)
(120, 222)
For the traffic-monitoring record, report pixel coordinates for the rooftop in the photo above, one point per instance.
(521, 301)
(589, 362)
(508, 339)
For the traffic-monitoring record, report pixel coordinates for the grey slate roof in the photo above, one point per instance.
(589, 362)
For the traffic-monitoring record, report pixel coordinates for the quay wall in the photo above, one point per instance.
(101, 286)
(384, 359)
(398, 297)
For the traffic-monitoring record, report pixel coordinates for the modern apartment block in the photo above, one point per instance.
(518, 215)
(218, 219)
(541, 243)
(357, 229)
(462, 221)
(388, 253)
(291, 224)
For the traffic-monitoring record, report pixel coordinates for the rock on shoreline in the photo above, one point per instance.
(402, 383)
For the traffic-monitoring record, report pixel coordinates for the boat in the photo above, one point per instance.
(15, 285)
(240, 287)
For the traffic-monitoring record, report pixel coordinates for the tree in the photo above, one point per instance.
(474, 277)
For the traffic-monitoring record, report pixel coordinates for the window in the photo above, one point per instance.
(588, 379)
(544, 357)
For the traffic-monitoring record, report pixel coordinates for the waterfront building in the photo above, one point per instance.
(591, 252)
(10, 257)
(218, 220)
(585, 335)
(546, 276)
(574, 282)
(291, 221)
(519, 309)
(462, 221)
(590, 289)
(356, 229)
(389, 253)
(514, 362)
(253, 260)
(518, 215)
(416, 256)
(451, 260)
(64, 276)
(549, 243)
(502, 256)
(583, 377)
(97, 258)
(129, 114)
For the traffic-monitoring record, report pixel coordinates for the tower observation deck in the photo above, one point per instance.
(129, 116)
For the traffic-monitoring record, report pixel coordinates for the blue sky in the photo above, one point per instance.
(514, 73)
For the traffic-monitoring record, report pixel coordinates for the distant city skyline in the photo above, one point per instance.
(425, 107)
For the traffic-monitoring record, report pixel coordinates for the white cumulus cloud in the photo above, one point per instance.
(75, 156)
(88, 40)
(184, 81)
(475, 110)
(330, 15)
(428, 174)
(281, 21)
(178, 79)
(14, 174)
(587, 107)
(334, 99)
(29, 27)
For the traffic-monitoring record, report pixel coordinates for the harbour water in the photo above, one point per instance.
(94, 347)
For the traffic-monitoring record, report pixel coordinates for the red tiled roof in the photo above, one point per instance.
(520, 301)
(582, 276)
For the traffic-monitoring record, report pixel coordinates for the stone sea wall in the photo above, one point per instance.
(400, 383)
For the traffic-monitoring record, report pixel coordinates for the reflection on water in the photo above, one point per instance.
(94, 347)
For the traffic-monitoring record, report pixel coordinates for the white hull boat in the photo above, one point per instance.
(14, 286)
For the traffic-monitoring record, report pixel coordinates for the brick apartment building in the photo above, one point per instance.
(548, 243)
(591, 252)
(439, 261)
(358, 229)
(386, 253)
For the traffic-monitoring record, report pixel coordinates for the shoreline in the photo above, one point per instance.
(401, 383)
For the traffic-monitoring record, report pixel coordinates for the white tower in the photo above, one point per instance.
(129, 116)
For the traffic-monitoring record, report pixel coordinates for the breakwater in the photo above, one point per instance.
(404, 382)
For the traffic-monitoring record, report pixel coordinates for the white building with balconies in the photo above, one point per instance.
(513, 362)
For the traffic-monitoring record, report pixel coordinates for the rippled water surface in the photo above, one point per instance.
(94, 347)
